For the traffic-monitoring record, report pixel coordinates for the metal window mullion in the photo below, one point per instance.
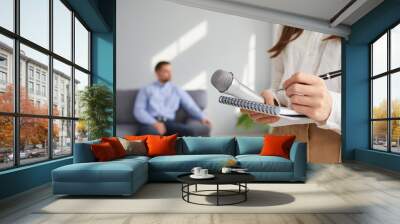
(371, 123)
(16, 84)
(50, 81)
(73, 82)
(43, 116)
(89, 52)
(386, 119)
(389, 101)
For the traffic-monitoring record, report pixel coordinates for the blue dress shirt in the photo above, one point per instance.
(163, 99)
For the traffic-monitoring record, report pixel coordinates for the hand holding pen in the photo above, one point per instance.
(307, 94)
(326, 76)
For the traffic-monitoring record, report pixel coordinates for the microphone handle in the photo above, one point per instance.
(241, 91)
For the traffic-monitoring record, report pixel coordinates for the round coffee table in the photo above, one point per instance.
(238, 179)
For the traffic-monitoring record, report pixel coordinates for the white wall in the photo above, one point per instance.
(197, 42)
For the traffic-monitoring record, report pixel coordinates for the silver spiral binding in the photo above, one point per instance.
(249, 105)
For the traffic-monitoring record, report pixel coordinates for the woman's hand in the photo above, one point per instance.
(260, 117)
(309, 95)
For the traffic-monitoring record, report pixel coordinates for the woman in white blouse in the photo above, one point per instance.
(298, 58)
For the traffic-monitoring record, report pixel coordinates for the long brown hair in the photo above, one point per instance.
(288, 35)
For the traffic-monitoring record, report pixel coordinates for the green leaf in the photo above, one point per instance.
(96, 102)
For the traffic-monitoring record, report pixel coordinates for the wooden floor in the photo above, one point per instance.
(351, 181)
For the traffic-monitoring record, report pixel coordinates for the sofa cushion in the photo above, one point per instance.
(134, 147)
(249, 145)
(185, 163)
(133, 158)
(207, 145)
(112, 171)
(103, 152)
(116, 145)
(83, 152)
(277, 145)
(161, 145)
(257, 163)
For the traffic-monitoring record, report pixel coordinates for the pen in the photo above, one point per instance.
(326, 76)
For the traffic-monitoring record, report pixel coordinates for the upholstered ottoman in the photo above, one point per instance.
(118, 177)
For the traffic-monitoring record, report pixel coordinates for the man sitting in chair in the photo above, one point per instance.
(157, 103)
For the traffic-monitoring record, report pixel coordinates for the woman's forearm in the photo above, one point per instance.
(334, 120)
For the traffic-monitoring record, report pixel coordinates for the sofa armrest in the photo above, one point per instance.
(83, 152)
(298, 155)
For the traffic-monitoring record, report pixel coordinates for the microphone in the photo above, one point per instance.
(225, 83)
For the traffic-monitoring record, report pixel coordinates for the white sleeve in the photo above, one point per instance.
(334, 120)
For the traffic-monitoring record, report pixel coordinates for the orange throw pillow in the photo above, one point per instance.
(161, 145)
(103, 152)
(277, 145)
(116, 145)
(136, 137)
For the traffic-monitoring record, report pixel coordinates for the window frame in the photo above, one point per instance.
(16, 114)
(388, 74)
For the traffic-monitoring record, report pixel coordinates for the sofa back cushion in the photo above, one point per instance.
(249, 145)
(83, 152)
(206, 145)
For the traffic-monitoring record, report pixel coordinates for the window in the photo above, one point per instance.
(3, 72)
(61, 75)
(62, 32)
(6, 73)
(81, 81)
(81, 45)
(3, 61)
(35, 21)
(7, 14)
(62, 137)
(38, 74)
(385, 95)
(3, 78)
(30, 72)
(42, 122)
(37, 90)
(6, 142)
(30, 87)
(33, 140)
(44, 91)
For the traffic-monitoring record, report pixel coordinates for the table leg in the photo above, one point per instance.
(217, 194)
(182, 190)
(245, 193)
(195, 188)
(188, 190)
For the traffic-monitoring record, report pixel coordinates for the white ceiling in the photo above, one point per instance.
(313, 15)
(319, 9)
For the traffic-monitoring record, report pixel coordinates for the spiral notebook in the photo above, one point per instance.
(288, 116)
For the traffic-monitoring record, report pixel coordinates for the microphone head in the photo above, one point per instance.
(222, 80)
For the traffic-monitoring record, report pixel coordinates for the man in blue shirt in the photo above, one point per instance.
(157, 103)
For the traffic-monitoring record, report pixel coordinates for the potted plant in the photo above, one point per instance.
(244, 122)
(96, 103)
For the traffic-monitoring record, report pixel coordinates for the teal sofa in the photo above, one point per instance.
(125, 176)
